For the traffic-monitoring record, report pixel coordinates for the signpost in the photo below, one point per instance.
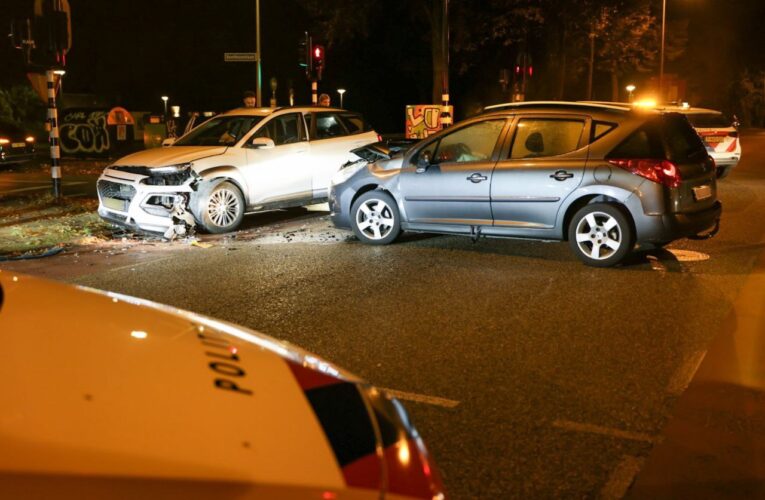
(240, 56)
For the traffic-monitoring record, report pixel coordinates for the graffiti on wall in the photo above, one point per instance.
(84, 132)
(423, 120)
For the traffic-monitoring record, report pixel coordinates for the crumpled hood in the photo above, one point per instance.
(165, 156)
(392, 164)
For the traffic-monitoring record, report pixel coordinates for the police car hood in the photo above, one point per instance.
(166, 156)
(100, 384)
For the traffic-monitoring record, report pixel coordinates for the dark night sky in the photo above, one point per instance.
(134, 51)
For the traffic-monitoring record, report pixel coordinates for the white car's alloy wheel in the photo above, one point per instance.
(223, 207)
(375, 219)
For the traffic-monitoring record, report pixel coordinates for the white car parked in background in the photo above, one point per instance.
(718, 134)
(244, 160)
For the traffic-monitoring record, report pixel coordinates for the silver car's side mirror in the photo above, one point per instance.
(423, 162)
(262, 143)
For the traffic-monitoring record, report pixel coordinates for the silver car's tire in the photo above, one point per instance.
(601, 235)
(222, 209)
(375, 219)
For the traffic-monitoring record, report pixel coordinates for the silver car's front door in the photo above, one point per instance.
(454, 189)
(544, 164)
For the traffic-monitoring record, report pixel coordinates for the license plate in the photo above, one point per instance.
(116, 204)
(18, 145)
(714, 139)
(702, 192)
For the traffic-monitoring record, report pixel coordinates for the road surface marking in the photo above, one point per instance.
(136, 264)
(688, 255)
(421, 398)
(39, 188)
(684, 373)
(604, 431)
(621, 478)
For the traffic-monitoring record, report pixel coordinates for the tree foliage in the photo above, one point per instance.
(20, 106)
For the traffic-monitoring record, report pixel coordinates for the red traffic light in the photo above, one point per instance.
(318, 55)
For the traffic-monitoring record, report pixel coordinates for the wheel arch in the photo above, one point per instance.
(228, 173)
(606, 194)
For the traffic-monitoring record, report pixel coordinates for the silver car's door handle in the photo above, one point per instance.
(561, 175)
(476, 178)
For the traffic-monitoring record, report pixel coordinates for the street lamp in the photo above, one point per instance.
(630, 88)
(341, 92)
(164, 100)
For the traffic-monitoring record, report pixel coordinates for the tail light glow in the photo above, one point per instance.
(30, 138)
(379, 138)
(660, 171)
(4, 141)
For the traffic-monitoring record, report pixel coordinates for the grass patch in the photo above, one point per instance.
(34, 224)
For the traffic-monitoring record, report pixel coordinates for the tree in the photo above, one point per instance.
(627, 40)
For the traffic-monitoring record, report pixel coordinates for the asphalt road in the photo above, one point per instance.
(528, 374)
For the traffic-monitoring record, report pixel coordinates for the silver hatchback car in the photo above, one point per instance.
(604, 178)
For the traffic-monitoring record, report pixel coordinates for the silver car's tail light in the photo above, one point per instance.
(661, 171)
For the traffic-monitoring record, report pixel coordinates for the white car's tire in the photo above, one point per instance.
(220, 208)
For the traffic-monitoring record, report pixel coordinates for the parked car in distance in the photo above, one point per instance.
(16, 144)
(603, 177)
(110, 396)
(244, 160)
(718, 133)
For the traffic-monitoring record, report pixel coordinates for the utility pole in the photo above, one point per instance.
(446, 117)
(257, 49)
(592, 65)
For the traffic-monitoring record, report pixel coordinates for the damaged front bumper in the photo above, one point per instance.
(137, 198)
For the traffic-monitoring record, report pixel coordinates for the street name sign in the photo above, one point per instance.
(240, 56)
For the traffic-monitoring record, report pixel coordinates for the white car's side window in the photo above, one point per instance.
(285, 129)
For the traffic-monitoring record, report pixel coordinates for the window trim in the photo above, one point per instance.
(510, 140)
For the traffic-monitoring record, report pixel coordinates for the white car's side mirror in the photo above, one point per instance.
(168, 142)
(262, 143)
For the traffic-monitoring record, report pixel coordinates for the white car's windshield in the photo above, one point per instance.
(219, 131)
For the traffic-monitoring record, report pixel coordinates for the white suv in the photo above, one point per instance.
(244, 160)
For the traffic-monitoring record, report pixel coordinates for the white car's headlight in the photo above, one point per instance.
(171, 169)
(346, 173)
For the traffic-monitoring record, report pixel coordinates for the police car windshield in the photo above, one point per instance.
(219, 131)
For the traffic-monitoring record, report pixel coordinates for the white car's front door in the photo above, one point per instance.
(282, 173)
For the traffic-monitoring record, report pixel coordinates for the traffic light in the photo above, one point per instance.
(304, 54)
(317, 55)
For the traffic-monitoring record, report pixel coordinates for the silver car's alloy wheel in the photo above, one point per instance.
(375, 219)
(223, 207)
(599, 235)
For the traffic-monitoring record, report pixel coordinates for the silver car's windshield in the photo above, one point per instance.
(219, 131)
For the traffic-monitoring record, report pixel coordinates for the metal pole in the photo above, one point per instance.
(55, 151)
(592, 65)
(314, 92)
(661, 59)
(446, 117)
(257, 48)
